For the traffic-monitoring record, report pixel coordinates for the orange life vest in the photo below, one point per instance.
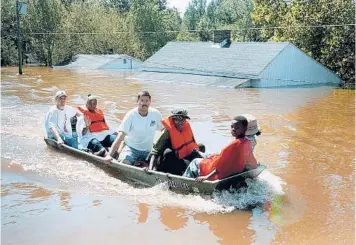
(183, 142)
(97, 119)
(231, 160)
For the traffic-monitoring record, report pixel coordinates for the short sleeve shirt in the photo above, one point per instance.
(141, 130)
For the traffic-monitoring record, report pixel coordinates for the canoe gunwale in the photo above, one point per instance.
(152, 177)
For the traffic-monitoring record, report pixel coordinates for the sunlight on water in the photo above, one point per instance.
(307, 142)
(85, 178)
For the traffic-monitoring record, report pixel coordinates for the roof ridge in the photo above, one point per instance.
(231, 42)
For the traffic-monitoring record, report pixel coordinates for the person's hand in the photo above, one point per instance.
(201, 178)
(146, 169)
(87, 121)
(107, 159)
(60, 141)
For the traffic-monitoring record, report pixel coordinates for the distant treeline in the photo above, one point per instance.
(54, 31)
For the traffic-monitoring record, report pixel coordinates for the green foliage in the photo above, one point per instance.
(195, 11)
(55, 31)
(44, 17)
(8, 33)
(188, 36)
(220, 14)
(204, 29)
(334, 47)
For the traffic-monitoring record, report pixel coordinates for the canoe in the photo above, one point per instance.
(151, 177)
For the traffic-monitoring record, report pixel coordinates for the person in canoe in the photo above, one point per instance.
(252, 130)
(93, 131)
(137, 130)
(232, 159)
(176, 146)
(57, 121)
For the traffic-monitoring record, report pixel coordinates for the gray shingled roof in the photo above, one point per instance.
(211, 81)
(95, 61)
(248, 58)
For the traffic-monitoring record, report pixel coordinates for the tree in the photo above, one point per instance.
(195, 11)
(204, 29)
(8, 33)
(44, 17)
(122, 6)
(334, 47)
(268, 14)
(148, 25)
(212, 11)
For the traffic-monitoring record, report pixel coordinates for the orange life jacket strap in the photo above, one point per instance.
(98, 121)
(186, 143)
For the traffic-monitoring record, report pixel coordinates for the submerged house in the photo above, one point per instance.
(105, 62)
(245, 64)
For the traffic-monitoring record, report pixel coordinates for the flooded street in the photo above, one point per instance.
(306, 195)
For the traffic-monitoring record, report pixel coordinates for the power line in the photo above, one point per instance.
(153, 32)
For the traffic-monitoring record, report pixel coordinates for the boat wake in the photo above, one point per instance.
(75, 175)
(80, 176)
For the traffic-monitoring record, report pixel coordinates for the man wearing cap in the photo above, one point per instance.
(57, 121)
(93, 131)
(252, 130)
(137, 130)
(176, 146)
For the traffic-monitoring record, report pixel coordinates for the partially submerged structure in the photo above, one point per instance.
(105, 62)
(245, 64)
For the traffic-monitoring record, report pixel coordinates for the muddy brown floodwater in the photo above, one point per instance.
(305, 197)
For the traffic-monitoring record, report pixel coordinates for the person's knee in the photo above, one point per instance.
(94, 142)
(201, 147)
(108, 141)
(127, 156)
(168, 152)
(72, 142)
(112, 138)
(95, 145)
(125, 161)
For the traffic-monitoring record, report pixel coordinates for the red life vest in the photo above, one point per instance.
(97, 119)
(182, 142)
(231, 160)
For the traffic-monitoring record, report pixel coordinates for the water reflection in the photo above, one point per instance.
(308, 141)
(322, 152)
(173, 218)
(228, 228)
(143, 212)
(64, 198)
(23, 199)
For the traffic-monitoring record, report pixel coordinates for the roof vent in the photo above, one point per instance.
(225, 43)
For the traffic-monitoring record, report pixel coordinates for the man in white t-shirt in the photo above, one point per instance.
(137, 129)
(57, 121)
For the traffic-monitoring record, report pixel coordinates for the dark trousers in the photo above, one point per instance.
(96, 145)
(170, 163)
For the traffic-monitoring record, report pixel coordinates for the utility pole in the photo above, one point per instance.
(18, 36)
